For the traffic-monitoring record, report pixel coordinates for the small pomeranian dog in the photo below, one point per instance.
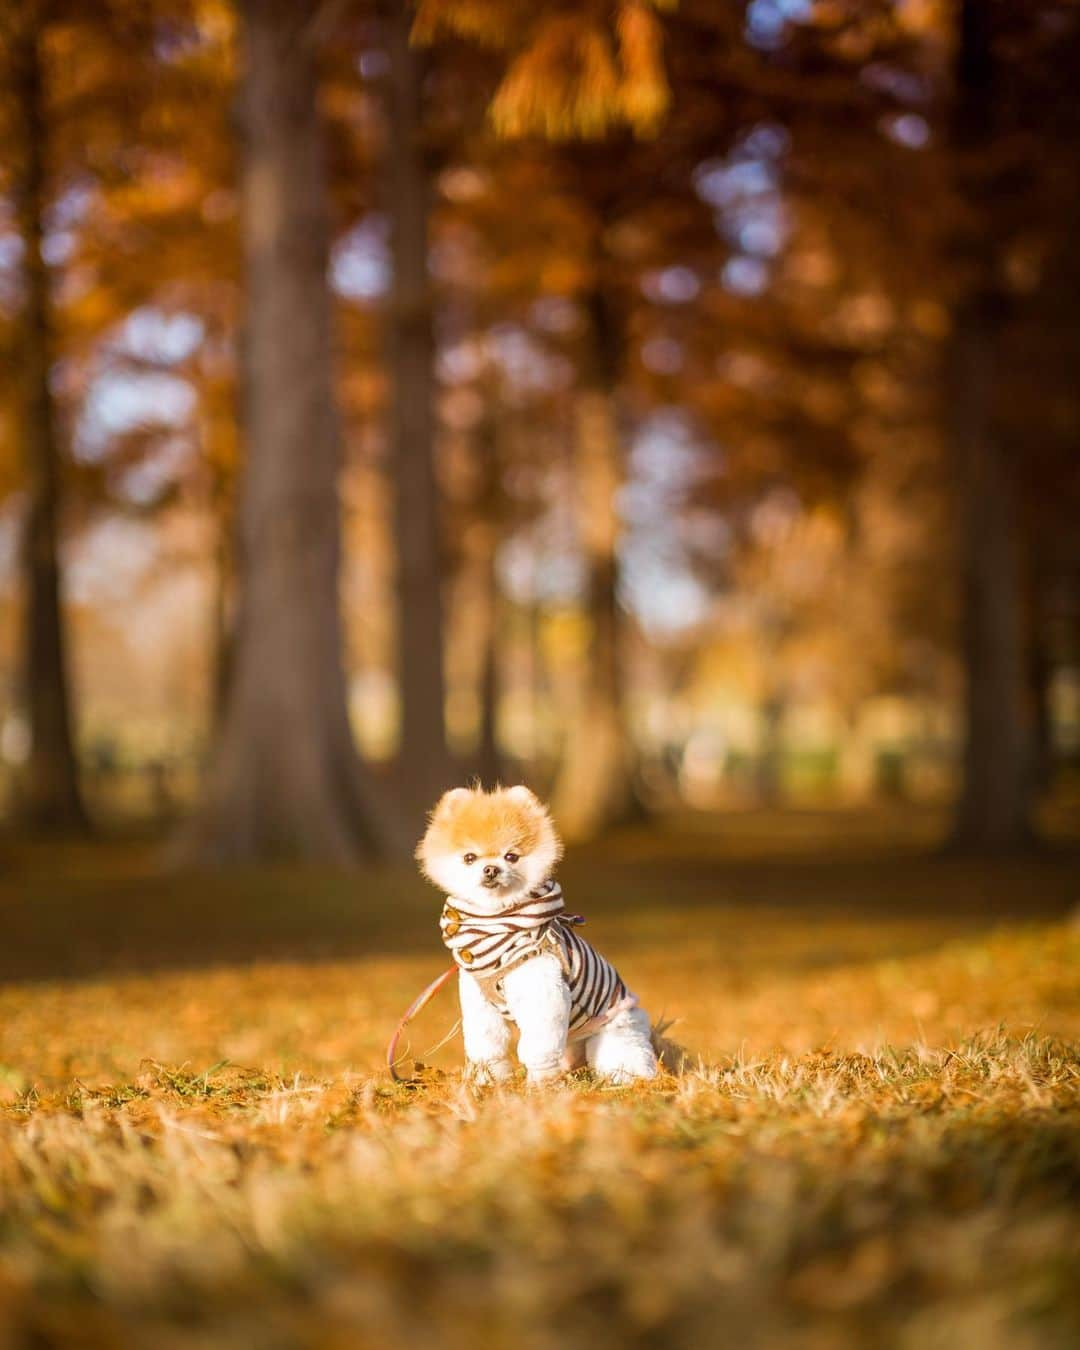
(520, 961)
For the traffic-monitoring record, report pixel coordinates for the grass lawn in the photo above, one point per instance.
(877, 1141)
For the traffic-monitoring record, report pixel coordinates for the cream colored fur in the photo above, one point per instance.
(486, 827)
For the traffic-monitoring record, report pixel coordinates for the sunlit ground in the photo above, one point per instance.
(876, 1143)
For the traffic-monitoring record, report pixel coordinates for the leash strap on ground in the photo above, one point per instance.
(417, 1005)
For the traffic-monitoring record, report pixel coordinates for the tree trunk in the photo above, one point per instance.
(995, 803)
(222, 620)
(1040, 674)
(285, 779)
(536, 677)
(424, 764)
(50, 795)
(768, 776)
(489, 765)
(593, 788)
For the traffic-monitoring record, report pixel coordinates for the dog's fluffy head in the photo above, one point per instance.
(489, 848)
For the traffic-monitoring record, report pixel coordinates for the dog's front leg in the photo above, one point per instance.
(486, 1033)
(539, 1001)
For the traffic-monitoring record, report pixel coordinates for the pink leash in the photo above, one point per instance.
(417, 1005)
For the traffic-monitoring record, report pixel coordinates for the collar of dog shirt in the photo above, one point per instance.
(484, 942)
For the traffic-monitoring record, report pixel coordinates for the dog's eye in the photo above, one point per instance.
(469, 859)
(511, 857)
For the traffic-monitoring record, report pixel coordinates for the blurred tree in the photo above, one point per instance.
(1014, 133)
(995, 803)
(571, 72)
(779, 277)
(809, 357)
(423, 763)
(490, 507)
(593, 789)
(568, 77)
(139, 236)
(285, 776)
(51, 796)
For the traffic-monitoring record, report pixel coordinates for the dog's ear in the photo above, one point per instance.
(450, 799)
(523, 795)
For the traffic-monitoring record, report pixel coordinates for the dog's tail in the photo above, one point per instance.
(675, 1058)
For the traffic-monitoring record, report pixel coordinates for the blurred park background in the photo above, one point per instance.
(675, 406)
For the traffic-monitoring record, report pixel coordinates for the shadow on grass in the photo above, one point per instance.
(76, 910)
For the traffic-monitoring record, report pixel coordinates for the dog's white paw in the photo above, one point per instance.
(538, 1082)
(627, 1073)
(487, 1072)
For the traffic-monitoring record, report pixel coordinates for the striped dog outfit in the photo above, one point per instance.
(488, 946)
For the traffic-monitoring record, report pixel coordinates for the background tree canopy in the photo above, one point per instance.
(672, 405)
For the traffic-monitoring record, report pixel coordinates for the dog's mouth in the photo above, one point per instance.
(505, 885)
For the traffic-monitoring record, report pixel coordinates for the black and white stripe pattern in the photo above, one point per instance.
(487, 945)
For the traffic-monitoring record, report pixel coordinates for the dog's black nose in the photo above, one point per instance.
(491, 871)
